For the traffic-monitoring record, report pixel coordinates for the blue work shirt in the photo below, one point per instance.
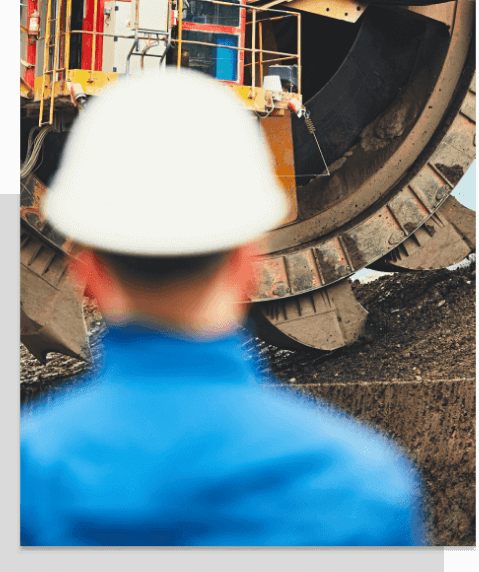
(176, 441)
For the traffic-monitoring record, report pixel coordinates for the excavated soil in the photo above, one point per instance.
(420, 326)
(412, 375)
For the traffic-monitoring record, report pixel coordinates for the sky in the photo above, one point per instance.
(465, 193)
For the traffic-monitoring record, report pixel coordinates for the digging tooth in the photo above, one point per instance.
(324, 319)
(51, 316)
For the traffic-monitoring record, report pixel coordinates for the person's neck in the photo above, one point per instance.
(211, 308)
(181, 328)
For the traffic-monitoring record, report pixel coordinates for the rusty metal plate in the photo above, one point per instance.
(445, 239)
(51, 317)
(441, 12)
(338, 9)
(325, 319)
(277, 131)
(32, 191)
(405, 157)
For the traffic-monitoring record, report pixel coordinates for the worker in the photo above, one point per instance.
(176, 439)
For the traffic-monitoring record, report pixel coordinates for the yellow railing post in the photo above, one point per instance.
(55, 57)
(68, 30)
(299, 52)
(253, 55)
(180, 29)
(260, 32)
(93, 47)
(45, 58)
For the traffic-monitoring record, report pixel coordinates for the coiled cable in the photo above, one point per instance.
(312, 129)
(34, 148)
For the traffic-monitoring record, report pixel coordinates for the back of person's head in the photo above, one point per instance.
(167, 166)
(153, 272)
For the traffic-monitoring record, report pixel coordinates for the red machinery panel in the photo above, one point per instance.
(88, 17)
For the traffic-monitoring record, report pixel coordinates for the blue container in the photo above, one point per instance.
(225, 60)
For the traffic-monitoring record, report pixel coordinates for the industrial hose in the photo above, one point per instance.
(34, 150)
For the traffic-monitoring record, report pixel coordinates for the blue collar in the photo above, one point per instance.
(141, 352)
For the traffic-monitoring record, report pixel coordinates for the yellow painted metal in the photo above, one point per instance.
(277, 131)
(338, 9)
(180, 29)
(245, 93)
(258, 100)
(260, 30)
(299, 53)
(93, 48)
(253, 55)
(55, 56)
(102, 80)
(68, 35)
(45, 61)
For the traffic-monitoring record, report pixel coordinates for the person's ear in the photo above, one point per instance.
(89, 269)
(242, 270)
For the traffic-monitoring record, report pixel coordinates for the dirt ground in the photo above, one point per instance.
(412, 375)
(420, 326)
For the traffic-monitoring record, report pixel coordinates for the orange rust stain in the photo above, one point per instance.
(38, 194)
(277, 130)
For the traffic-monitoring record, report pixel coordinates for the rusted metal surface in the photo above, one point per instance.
(445, 239)
(441, 12)
(325, 319)
(51, 314)
(341, 253)
(32, 191)
(391, 172)
(277, 130)
(25, 90)
(345, 10)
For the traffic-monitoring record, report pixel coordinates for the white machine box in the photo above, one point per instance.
(120, 22)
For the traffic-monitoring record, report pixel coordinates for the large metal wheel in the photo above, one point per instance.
(396, 123)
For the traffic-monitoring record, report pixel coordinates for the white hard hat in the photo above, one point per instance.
(166, 164)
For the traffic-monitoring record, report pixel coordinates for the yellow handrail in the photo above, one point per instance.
(68, 36)
(63, 33)
(45, 58)
(180, 30)
(55, 57)
(93, 47)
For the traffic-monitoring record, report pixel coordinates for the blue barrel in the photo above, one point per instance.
(225, 60)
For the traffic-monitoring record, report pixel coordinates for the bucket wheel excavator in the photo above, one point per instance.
(369, 109)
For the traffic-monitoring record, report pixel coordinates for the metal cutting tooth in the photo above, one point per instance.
(325, 319)
(51, 316)
(445, 239)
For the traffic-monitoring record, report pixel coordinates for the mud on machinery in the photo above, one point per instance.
(369, 110)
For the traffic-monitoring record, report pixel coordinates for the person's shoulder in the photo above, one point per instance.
(310, 423)
(350, 464)
(49, 416)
